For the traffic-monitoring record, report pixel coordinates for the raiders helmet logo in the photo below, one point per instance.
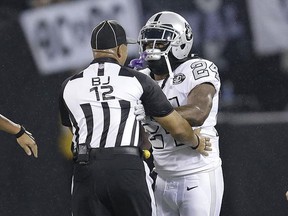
(178, 78)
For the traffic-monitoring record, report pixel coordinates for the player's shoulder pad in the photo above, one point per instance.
(201, 68)
(198, 59)
(196, 71)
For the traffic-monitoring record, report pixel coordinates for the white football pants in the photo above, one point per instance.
(194, 195)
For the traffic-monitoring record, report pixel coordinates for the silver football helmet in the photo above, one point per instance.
(166, 33)
(168, 28)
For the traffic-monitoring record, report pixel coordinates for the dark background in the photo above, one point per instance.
(254, 154)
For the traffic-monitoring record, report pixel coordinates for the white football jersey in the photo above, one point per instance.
(172, 158)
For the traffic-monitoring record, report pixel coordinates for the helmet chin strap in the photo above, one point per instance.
(171, 74)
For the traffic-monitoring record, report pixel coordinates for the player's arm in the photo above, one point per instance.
(157, 106)
(178, 127)
(23, 137)
(199, 104)
(181, 130)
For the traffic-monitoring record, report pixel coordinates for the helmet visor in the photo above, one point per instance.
(156, 38)
(157, 34)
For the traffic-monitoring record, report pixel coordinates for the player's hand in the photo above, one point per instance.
(27, 142)
(204, 144)
(139, 111)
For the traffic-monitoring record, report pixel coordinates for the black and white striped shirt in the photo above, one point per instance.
(98, 103)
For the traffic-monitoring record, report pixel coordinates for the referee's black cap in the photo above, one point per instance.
(109, 34)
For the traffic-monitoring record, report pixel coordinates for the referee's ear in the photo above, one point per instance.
(122, 53)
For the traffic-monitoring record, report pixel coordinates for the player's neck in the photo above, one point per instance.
(160, 77)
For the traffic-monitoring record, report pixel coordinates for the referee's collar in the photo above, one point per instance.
(104, 59)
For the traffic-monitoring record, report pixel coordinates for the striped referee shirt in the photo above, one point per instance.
(98, 103)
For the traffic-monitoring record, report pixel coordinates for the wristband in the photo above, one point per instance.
(195, 147)
(21, 132)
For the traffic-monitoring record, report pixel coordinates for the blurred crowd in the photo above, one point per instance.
(225, 31)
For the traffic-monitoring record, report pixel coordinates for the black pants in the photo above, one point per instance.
(111, 184)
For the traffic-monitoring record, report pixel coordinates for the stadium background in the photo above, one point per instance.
(253, 118)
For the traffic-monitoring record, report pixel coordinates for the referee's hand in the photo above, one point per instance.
(139, 111)
(27, 142)
(204, 144)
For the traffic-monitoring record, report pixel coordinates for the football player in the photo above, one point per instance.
(188, 183)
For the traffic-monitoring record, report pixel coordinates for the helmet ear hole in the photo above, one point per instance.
(188, 32)
(182, 46)
(188, 36)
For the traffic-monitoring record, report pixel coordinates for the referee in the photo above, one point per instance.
(110, 178)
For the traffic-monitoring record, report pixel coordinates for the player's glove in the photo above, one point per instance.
(203, 145)
(138, 63)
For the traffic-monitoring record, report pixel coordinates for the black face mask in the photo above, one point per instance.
(158, 67)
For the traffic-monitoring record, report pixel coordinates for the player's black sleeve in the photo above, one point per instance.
(153, 98)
